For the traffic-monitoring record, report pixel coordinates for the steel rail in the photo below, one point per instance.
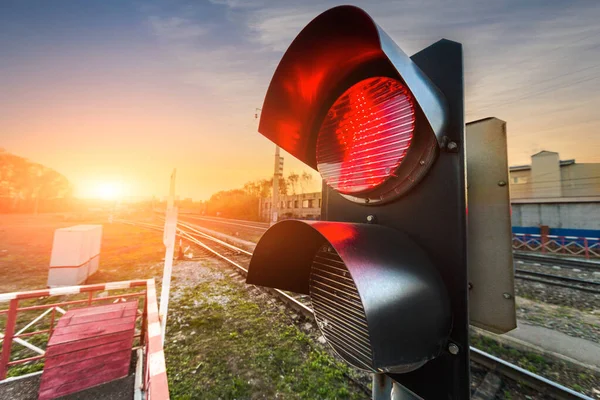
(246, 221)
(521, 375)
(558, 277)
(207, 236)
(505, 368)
(287, 298)
(556, 261)
(218, 221)
(546, 279)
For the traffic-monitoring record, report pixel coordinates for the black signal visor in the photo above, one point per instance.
(380, 274)
(336, 50)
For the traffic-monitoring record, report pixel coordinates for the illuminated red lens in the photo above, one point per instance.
(365, 135)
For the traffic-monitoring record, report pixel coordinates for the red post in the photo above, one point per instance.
(90, 297)
(52, 318)
(9, 332)
(543, 241)
(587, 249)
(544, 232)
(143, 330)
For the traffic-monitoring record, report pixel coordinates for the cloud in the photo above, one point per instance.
(176, 28)
(520, 58)
(221, 70)
(274, 29)
(238, 3)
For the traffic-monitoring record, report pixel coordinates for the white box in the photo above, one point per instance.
(75, 254)
(94, 264)
(71, 247)
(95, 234)
(67, 276)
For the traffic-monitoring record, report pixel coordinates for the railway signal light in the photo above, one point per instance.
(386, 269)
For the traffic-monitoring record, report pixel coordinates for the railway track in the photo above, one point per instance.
(234, 222)
(232, 254)
(581, 285)
(562, 262)
(520, 273)
(523, 256)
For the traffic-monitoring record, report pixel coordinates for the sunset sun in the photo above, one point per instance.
(108, 190)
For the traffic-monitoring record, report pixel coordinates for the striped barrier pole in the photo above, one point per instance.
(155, 381)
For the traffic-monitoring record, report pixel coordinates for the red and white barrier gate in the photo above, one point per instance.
(154, 382)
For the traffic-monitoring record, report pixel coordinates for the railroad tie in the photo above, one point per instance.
(488, 389)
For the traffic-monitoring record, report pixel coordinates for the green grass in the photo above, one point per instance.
(22, 369)
(238, 349)
(530, 361)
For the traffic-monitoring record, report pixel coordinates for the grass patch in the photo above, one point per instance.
(530, 361)
(225, 345)
(24, 369)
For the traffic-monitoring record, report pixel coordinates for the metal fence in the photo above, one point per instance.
(587, 247)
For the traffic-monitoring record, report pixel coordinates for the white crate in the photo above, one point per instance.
(75, 254)
(94, 264)
(68, 276)
(95, 233)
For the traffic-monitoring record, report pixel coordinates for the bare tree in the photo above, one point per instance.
(305, 180)
(293, 179)
(282, 186)
(253, 188)
(266, 186)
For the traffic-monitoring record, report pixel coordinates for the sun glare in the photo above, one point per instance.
(108, 190)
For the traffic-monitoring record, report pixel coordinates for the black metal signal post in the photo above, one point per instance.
(386, 269)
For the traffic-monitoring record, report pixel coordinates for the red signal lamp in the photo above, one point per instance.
(365, 135)
(348, 102)
(367, 146)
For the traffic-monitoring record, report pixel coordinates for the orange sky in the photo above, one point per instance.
(124, 93)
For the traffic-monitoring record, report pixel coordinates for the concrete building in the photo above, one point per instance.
(302, 206)
(559, 194)
(549, 178)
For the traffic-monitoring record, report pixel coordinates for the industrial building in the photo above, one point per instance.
(560, 194)
(303, 206)
(548, 178)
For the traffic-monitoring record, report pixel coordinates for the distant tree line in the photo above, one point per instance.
(243, 203)
(28, 187)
